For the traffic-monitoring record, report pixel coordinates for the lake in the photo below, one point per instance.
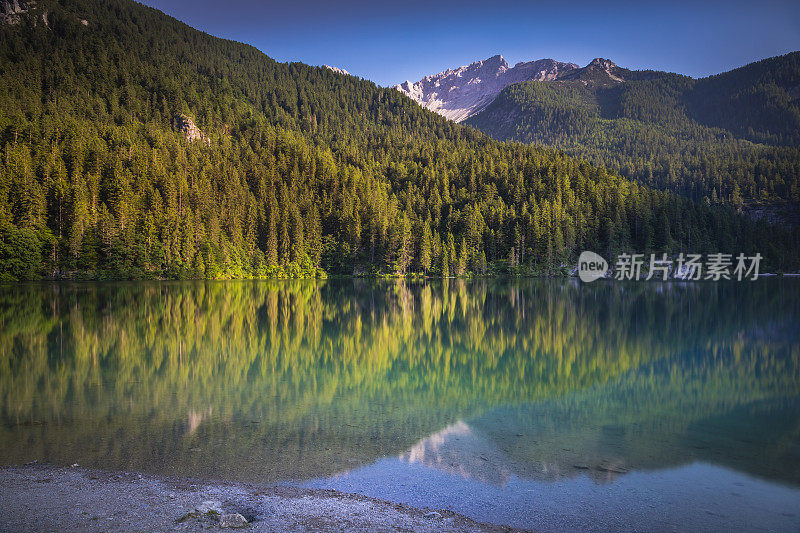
(543, 404)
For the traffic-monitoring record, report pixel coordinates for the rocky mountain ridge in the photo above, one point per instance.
(600, 72)
(462, 92)
(337, 70)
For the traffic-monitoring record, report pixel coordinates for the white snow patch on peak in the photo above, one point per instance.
(337, 69)
(464, 91)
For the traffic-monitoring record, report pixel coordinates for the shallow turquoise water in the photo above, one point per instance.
(543, 404)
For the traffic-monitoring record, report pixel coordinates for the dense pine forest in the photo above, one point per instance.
(292, 169)
(733, 138)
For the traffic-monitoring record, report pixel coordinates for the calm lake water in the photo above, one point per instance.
(543, 404)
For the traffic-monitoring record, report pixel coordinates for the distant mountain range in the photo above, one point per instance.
(759, 102)
(773, 85)
(730, 138)
(466, 91)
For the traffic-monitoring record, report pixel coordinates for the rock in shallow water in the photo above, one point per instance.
(209, 505)
(232, 520)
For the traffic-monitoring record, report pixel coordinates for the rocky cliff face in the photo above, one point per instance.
(10, 10)
(186, 125)
(460, 93)
(15, 11)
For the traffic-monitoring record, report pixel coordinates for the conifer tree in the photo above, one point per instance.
(425, 251)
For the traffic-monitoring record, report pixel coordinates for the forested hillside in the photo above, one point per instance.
(732, 138)
(290, 168)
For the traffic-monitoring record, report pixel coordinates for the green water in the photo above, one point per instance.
(486, 383)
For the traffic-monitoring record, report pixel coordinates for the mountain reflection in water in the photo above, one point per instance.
(491, 382)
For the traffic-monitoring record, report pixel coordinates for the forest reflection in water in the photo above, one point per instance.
(487, 379)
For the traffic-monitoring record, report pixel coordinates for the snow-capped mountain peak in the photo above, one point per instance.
(464, 91)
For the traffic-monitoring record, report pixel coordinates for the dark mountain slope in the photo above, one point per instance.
(759, 102)
(730, 138)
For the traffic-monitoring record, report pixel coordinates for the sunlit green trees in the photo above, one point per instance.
(301, 170)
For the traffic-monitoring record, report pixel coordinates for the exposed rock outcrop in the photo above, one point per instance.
(186, 125)
(11, 10)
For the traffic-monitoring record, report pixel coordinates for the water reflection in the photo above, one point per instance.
(490, 381)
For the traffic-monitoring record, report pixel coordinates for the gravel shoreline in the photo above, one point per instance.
(43, 497)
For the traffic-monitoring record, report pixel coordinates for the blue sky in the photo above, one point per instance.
(391, 42)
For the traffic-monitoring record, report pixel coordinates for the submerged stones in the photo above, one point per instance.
(214, 506)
